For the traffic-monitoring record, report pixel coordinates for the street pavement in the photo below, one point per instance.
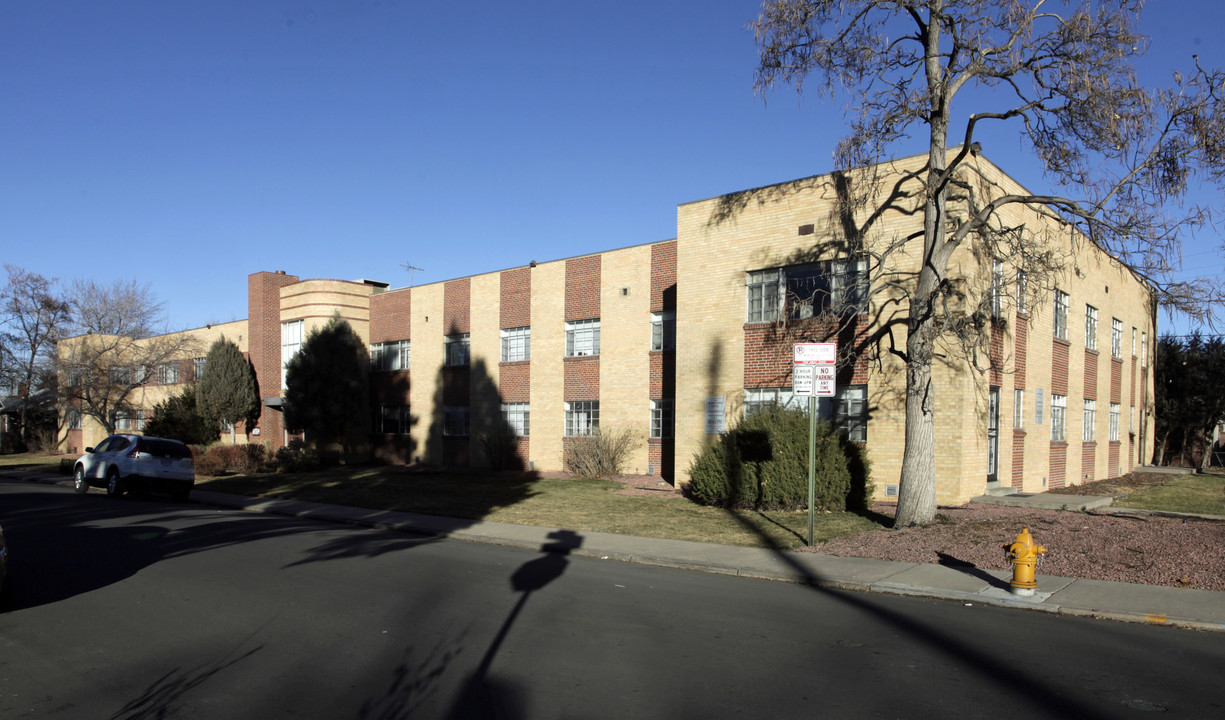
(1130, 602)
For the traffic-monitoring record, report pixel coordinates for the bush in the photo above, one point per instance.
(296, 457)
(239, 459)
(762, 464)
(601, 454)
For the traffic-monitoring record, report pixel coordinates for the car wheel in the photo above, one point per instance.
(79, 483)
(114, 486)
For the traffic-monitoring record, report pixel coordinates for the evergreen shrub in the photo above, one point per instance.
(761, 463)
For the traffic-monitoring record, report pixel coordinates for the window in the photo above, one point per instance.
(291, 342)
(130, 420)
(804, 291)
(1061, 315)
(1133, 342)
(1018, 409)
(1059, 411)
(582, 418)
(1116, 338)
(997, 289)
(516, 418)
(661, 418)
(1021, 287)
(456, 350)
(1114, 422)
(1143, 349)
(850, 413)
(583, 338)
(389, 356)
(127, 374)
(74, 419)
(226, 426)
(516, 344)
(756, 399)
(197, 368)
(391, 419)
(455, 420)
(1089, 428)
(167, 373)
(663, 330)
(1131, 420)
(1090, 327)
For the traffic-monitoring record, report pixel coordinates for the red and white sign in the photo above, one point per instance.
(815, 370)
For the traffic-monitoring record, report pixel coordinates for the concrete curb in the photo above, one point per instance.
(1062, 596)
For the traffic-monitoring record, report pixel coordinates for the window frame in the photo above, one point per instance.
(1090, 327)
(517, 418)
(583, 335)
(997, 288)
(290, 345)
(456, 421)
(838, 286)
(663, 419)
(1116, 412)
(1062, 301)
(457, 350)
(391, 356)
(197, 367)
(1059, 411)
(1018, 408)
(1116, 338)
(1022, 286)
(1088, 432)
(516, 344)
(582, 418)
(663, 330)
(168, 373)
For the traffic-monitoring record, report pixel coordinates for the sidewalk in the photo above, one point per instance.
(1198, 609)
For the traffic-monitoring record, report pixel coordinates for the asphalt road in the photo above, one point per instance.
(149, 609)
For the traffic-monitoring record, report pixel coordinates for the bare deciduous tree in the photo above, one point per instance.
(121, 340)
(1121, 156)
(35, 315)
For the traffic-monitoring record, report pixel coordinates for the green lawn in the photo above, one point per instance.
(591, 505)
(1204, 494)
(31, 462)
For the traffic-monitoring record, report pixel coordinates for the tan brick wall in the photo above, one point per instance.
(548, 350)
(425, 395)
(625, 347)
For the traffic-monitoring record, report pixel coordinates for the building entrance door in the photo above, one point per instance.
(993, 434)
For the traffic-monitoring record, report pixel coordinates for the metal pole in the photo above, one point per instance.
(812, 462)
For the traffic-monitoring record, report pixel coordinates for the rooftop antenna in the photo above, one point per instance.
(410, 270)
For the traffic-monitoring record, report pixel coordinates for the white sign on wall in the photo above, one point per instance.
(716, 408)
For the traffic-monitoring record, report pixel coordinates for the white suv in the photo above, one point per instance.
(123, 463)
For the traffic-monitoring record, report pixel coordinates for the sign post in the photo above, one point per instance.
(814, 373)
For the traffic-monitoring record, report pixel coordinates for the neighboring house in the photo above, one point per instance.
(678, 338)
(42, 411)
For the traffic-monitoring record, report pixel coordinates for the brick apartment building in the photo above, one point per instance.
(676, 339)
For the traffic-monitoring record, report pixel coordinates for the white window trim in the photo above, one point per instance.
(516, 344)
(583, 338)
(582, 418)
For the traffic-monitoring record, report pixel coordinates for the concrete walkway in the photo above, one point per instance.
(1199, 609)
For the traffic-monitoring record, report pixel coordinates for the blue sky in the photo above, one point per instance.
(188, 144)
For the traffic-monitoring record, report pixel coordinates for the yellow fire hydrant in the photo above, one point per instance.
(1024, 553)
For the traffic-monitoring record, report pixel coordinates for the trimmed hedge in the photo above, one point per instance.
(761, 463)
